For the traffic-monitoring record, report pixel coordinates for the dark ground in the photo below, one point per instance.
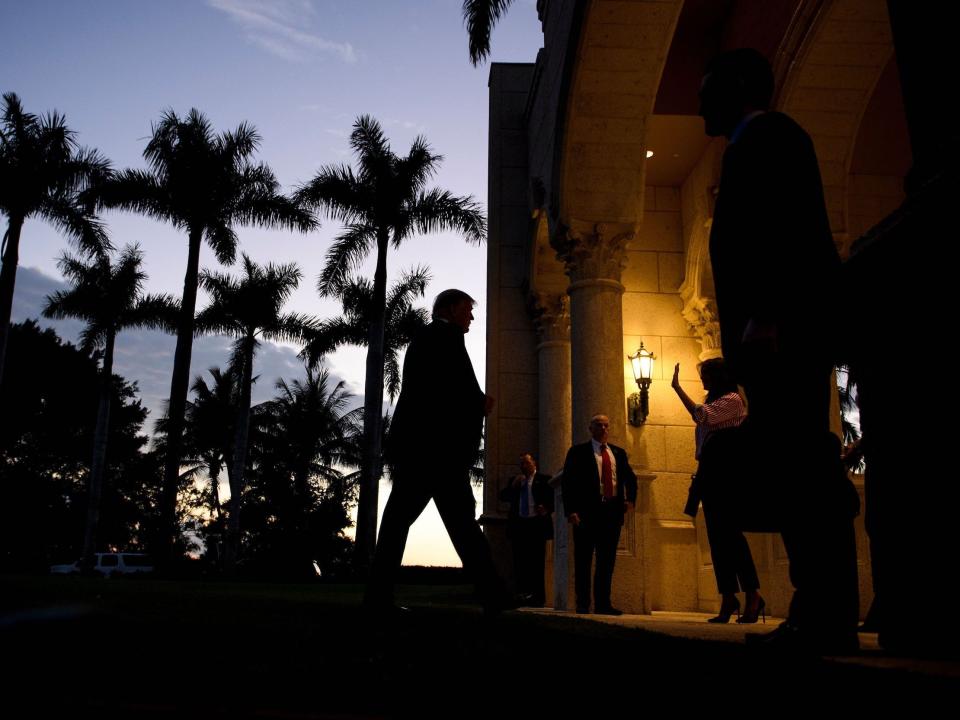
(154, 648)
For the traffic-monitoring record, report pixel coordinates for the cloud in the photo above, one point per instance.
(420, 128)
(146, 356)
(275, 26)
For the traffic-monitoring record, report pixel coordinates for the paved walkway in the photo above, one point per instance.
(694, 625)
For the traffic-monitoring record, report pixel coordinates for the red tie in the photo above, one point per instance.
(606, 475)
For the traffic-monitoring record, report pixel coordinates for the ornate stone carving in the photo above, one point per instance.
(551, 316)
(598, 252)
(701, 315)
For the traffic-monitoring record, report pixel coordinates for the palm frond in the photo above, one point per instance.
(480, 16)
(292, 327)
(259, 202)
(223, 241)
(137, 191)
(391, 374)
(345, 257)
(438, 209)
(87, 231)
(156, 312)
(338, 193)
(327, 336)
(419, 165)
(412, 284)
(239, 144)
(370, 145)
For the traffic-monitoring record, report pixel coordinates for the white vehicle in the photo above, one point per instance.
(110, 564)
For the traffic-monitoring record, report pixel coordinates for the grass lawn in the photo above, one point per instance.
(155, 648)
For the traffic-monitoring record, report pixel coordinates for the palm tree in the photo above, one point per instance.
(480, 16)
(308, 449)
(248, 309)
(109, 297)
(209, 428)
(204, 184)
(382, 203)
(311, 422)
(401, 322)
(42, 171)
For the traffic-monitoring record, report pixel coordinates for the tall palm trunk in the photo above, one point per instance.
(214, 471)
(99, 464)
(372, 415)
(239, 459)
(179, 385)
(8, 278)
(301, 503)
(301, 548)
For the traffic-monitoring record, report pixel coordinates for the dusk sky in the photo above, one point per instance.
(300, 71)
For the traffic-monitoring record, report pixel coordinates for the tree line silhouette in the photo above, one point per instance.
(294, 464)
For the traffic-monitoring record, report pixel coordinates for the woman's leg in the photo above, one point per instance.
(723, 549)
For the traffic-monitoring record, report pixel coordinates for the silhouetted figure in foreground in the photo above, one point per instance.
(733, 565)
(434, 439)
(599, 486)
(529, 526)
(775, 270)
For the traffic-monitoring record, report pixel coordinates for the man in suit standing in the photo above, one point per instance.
(433, 442)
(599, 487)
(776, 271)
(529, 526)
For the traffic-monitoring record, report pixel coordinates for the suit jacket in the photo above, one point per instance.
(440, 411)
(581, 480)
(542, 495)
(771, 248)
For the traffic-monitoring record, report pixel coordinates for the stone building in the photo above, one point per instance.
(601, 191)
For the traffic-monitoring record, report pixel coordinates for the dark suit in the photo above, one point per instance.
(529, 535)
(774, 262)
(434, 440)
(600, 519)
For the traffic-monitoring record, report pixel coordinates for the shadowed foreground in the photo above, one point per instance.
(134, 648)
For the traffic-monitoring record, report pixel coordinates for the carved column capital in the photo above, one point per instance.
(551, 317)
(593, 252)
(701, 315)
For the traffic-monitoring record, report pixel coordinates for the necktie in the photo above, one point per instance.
(606, 475)
(524, 499)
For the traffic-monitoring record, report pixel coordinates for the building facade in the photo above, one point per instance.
(601, 192)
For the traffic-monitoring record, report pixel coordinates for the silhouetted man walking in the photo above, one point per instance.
(775, 270)
(433, 442)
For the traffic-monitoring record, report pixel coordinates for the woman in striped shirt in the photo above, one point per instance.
(732, 561)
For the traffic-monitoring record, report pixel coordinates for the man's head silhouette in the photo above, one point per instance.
(736, 83)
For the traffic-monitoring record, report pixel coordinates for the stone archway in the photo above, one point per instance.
(620, 60)
(832, 74)
(614, 79)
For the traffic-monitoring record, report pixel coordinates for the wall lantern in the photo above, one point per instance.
(638, 404)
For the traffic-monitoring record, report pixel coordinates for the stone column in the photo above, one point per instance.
(552, 319)
(594, 259)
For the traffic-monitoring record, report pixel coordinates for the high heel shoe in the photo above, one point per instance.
(750, 616)
(726, 610)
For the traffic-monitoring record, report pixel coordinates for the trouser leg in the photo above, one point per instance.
(721, 552)
(608, 537)
(457, 508)
(583, 546)
(407, 500)
(538, 551)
